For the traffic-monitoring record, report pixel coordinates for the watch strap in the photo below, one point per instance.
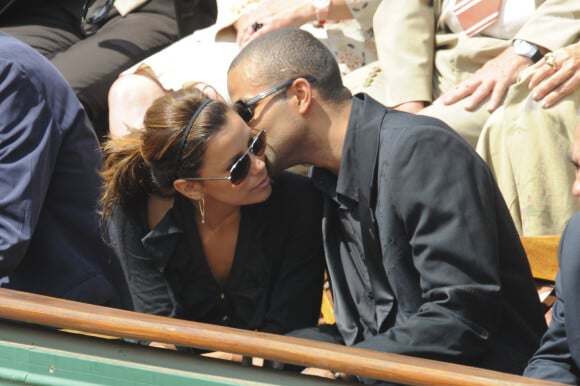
(537, 56)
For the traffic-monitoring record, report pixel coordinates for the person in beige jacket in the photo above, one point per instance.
(525, 141)
(428, 65)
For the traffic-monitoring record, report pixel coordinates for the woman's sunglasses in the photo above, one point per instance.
(240, 169)
(245, 109)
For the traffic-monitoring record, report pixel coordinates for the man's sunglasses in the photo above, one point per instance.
(240, 169)
(245, 109)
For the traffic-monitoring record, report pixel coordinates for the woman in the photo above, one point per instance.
(204, 234)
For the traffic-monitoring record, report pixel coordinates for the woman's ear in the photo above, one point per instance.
(190, 189)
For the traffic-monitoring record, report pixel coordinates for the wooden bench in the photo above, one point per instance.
(63, 314)
(542, 252)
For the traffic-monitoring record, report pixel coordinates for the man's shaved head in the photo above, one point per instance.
(290, 53)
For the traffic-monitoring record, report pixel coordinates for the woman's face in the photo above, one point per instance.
(222, 151)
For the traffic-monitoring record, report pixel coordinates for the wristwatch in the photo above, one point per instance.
(527, 49)
(321, 8)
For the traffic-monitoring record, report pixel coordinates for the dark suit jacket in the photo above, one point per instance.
(558, 358)
(51, 241)
(450, 280)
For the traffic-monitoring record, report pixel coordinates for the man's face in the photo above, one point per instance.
(575, 156)
(264, 108)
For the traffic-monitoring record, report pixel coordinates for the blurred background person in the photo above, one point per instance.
(90, 42)
(558, 358)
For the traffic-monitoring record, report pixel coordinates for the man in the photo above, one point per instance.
(90, 42)
(51, 241)
(422, 255)
(558, 358)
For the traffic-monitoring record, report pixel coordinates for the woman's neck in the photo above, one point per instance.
(219, 237)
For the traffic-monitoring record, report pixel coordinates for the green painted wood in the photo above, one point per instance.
(33, 355)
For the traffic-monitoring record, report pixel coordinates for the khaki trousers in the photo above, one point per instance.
(527, 149)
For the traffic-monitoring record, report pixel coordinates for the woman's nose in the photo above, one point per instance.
(258, 163)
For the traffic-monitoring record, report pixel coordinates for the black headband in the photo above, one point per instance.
(186, 134)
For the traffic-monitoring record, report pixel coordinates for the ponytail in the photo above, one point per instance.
(125, 173)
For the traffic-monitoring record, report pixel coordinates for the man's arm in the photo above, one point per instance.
(405, 38)
(447, 205)
(29, 145)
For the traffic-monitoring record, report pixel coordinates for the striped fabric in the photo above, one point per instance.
(476, 15)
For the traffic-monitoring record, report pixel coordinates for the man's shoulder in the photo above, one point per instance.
(405, 130)
(574, 224)
(409, 121)
(366, 105)
(570, 242)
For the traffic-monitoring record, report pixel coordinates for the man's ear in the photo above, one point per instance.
(303, 94)
(190, 189)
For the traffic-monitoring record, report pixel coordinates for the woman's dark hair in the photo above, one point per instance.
(149, 160)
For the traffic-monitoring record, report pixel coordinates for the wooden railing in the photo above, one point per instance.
(63, 314)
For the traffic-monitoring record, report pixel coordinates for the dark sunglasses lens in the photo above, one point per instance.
(240, 170)
(259, 146)
(244, 111)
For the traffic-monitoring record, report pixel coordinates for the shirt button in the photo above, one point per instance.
(225, 318)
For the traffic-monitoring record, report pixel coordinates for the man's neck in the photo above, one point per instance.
(331, 140)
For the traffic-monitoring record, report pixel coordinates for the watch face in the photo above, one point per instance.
(522, 47)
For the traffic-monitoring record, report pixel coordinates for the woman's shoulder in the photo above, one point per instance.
(142, 215)
(133, 212)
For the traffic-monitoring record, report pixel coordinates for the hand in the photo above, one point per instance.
(223, 355)
(492, 80)
(548, 84)
(167, 346)
(271, 15)
(318, 372)
(323, 373)
(411, 107)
